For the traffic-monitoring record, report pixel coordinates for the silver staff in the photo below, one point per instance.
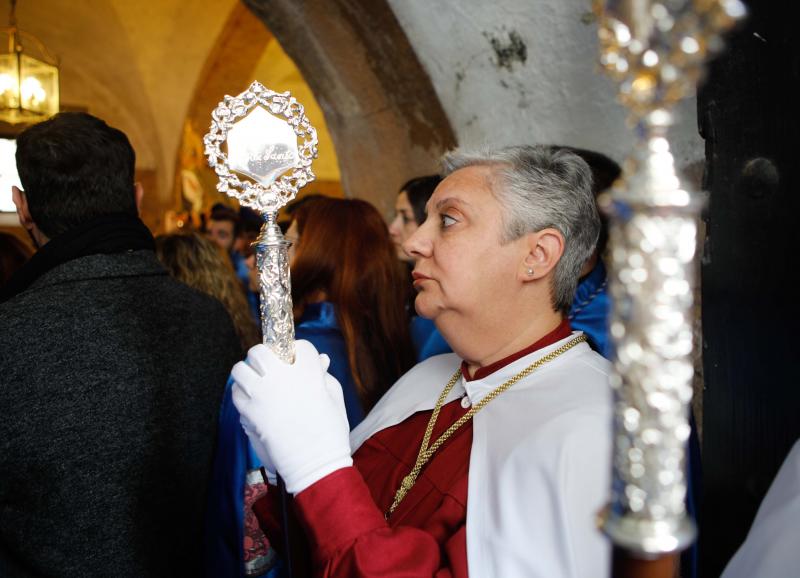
(262, 129)
(655, 50)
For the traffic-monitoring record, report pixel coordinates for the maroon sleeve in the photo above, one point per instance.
(268, 511)
(351, 538)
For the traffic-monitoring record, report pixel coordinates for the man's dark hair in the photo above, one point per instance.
(419, 190)
(75, 168)
(250, 221)
(604, 172)
(222, 212)
(604, 169)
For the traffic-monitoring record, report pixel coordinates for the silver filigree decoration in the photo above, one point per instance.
(276, 290)
(263, 168)
(270, 191)
(655, 50)
(651, 285)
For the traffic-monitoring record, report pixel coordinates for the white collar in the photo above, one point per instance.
(477, 389)
(419, 389)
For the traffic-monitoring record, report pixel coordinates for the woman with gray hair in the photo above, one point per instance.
(492, 460)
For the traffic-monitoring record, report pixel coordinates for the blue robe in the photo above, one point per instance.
(234, 456)
(590, 310)
(243, 273)
(426, 339)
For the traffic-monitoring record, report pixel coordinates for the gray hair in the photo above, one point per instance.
(543, 187)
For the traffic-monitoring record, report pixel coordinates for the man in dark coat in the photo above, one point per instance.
(111, 373)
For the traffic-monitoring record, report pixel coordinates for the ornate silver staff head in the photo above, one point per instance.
(270, 143)
(655, 50)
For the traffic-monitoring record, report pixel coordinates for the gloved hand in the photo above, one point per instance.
(261, 452)
(294, 415)
(249, 429)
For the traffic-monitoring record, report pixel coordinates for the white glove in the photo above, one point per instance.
(261, 452)
(294, 415)
(249, 429)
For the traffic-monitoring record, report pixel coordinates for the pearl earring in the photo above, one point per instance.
(530, 271)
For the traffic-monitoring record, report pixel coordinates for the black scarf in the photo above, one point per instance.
(104, 235)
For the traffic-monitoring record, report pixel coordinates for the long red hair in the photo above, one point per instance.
(345, 251)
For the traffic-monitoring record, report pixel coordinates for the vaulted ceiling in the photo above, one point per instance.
(154, 68)
(134, 64)
(390, 83)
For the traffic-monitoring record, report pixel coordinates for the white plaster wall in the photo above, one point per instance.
(556, 96)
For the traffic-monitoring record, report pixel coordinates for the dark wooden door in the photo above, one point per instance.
(749, 112)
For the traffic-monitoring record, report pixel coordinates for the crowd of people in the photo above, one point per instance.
(448, 412)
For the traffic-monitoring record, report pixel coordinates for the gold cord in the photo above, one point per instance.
(425, 452)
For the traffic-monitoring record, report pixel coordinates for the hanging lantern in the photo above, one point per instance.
(28, 81)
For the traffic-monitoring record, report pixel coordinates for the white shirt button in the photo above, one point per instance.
(465, 402)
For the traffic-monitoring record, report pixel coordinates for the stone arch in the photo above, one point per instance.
(384, 116)
(228, 66)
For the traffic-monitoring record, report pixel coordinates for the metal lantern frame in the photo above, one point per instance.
(29, 85)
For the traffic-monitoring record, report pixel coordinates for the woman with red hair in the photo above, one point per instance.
(349, 294)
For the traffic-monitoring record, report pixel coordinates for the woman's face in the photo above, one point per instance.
(293, 235)
(254, 282)
(462, 269)
(403, 225)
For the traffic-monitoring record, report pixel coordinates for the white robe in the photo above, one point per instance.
(772, 547)
(540, 464)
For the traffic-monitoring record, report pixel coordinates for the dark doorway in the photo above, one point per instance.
(748, 111)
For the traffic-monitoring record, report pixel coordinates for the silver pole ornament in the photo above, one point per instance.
(271, 143)
(655, 50)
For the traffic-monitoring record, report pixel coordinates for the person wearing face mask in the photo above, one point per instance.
(409, 215)
(489, 461)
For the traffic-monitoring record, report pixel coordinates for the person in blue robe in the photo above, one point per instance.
(590, 309)
(235, 458)
(331, 237)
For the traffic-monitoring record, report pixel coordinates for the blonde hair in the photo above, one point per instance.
(201, 264)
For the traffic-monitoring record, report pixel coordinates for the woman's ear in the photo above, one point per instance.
(25, 219)
(545, 248)
(21, 202)
(139, 194)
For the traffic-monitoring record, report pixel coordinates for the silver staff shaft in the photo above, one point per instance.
(272, 259)
(653, 235)
(656, 52)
